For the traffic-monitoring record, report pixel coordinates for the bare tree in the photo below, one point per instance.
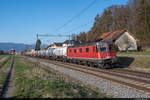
(38, 43)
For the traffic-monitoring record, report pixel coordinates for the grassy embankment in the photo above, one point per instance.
(32, 81)
(141, 64)
(135, 63)
(4, 69)
(2, 56)
(136, 53)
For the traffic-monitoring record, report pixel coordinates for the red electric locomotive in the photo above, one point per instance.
(12, 51)
(100, 54)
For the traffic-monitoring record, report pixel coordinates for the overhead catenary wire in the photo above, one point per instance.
(69, 21)
(60, 35)
(78, 27)
(44, 36)
(50, 35)
(74, 17)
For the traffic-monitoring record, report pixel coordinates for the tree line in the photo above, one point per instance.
(134, 16)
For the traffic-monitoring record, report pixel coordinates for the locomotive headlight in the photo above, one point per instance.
(108, 53)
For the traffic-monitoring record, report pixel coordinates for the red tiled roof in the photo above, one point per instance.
(104, 35)
(111, 35)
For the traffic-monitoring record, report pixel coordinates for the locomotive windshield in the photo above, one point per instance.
(102, 49)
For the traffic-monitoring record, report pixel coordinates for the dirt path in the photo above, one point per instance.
(8, 88)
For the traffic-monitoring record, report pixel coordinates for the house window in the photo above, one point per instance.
(111, 48)
(80, 50)
(87, 49)
(75, 50)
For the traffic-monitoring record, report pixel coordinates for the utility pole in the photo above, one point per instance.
(37, 36)
(37, 61)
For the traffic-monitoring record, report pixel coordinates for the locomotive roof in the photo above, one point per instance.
(88, 44)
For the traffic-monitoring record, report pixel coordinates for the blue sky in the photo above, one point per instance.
(21, 20)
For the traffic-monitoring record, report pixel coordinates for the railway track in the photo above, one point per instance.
(132, 72)
(137, 80)
(7, 83)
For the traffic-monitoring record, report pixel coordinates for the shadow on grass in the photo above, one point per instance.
(124, 62)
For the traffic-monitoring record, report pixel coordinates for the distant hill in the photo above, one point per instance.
(16, 46)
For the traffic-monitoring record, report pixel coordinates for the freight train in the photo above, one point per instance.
(97, 54)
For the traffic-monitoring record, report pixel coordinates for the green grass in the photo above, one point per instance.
(33, 81)
(2, 63)
(136, 53)
(142, 64)
(1, 56)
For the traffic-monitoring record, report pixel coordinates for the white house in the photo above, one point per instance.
(123, 39)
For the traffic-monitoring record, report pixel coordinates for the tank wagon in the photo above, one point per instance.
(98, 54)
(60, 53)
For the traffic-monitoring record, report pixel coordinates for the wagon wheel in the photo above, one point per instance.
(94, 65)
(69, 61)
(91, 64)
(77, 62)
(80, 63)
(108, 66)
(85, 63)
(101, 65)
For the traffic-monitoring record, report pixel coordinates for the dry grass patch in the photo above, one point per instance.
(40, 81)
(141, 64)
(134, 63)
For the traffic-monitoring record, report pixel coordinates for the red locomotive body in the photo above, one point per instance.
(97, 53)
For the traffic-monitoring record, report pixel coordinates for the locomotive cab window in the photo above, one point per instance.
(70, 50)
(87, 49)
(102, 49)
(80, 50)
(75, 50)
